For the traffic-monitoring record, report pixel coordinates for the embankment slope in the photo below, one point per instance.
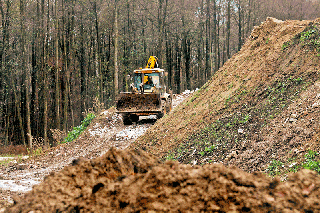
(261, 106)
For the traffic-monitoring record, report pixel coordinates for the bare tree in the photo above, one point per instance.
(116, 46)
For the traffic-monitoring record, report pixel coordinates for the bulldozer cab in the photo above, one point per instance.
(149, 80)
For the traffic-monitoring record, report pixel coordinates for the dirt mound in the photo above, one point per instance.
(78, 183)
(133, 181)
(262, 106)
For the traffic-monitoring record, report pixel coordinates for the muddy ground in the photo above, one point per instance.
(134, 181)
(106, 131)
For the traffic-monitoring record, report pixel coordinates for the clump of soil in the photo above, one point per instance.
(133, 181)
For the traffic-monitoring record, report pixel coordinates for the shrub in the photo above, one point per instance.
(79, 129)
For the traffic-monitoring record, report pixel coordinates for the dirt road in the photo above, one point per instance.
(106, 131)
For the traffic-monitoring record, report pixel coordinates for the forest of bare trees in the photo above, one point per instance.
(59, 58)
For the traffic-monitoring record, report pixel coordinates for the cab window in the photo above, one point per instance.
(137, 80)
(151, 80)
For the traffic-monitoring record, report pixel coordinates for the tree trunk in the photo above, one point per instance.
(169, 61)
(228, 29)
(45, 76)
(116, 68)
(18, 108)
(98, 51)
(177, 67)
(3, 69)
(162, 14)
(239, 25)
(28, 88)
(249, 17)
(26, 70)
(83, 73)
(218, 38)
(200, 48)
(66, 70)
(187, 57)
(57, 69)
(208, 43)
(215, 37)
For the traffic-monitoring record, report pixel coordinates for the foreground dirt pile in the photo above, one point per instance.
(259, 112)
(133, 181)
(79, 182)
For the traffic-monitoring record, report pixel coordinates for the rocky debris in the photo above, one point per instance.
(179, 98)
(131, 132)
(21, 166)
(101, 129)
(14, 158)
(22, 185)
(233, 154)
(133, 181)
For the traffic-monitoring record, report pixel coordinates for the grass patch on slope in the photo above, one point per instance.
(247, 112)
(311, 161)
(309, 39)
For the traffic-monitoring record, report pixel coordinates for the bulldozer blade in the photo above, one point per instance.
(138, 103)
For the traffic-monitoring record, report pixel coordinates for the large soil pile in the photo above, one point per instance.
(77, 185)
(133, 181)
(262, 106)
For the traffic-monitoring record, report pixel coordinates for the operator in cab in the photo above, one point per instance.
(149, 81)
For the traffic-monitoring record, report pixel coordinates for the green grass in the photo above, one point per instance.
(35, 152)
(223, 134)
(267, 41)
(8, 155)
(274, 168)
(277, 167)
(74, 134)
(308, 38)
(6, 162)
(286, 45)
(310, 162)
(170, 156)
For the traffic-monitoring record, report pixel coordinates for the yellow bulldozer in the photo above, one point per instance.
(148, 95)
